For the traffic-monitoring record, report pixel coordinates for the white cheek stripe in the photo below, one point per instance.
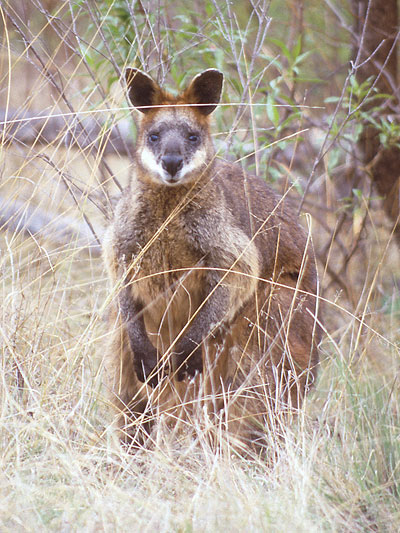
(150, 163)
(195, 163)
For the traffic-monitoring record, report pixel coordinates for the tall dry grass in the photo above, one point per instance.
(61, 469)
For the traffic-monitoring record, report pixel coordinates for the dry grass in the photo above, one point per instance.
(61, 469)
(337, 468)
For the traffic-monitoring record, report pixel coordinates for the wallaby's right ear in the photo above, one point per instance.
(143, 92)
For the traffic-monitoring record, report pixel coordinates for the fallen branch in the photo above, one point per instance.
(84, 133)
(18, 216)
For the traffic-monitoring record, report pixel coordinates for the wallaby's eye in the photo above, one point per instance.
(193, 138)
(153, 137)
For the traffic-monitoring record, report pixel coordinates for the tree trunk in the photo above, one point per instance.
(375, 55)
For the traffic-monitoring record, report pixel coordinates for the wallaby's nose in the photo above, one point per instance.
(172, 163)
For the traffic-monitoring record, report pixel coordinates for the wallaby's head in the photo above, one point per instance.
(174, 145)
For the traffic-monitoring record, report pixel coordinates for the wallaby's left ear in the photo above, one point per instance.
(205, 89)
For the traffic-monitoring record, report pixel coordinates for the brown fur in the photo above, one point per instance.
(221, 259)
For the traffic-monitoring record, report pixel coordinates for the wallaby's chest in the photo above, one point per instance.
(167, 276)
(167, 244)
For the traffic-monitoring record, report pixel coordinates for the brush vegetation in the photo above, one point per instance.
(337, 466)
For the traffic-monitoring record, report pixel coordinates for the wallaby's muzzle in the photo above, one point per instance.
(172, 163)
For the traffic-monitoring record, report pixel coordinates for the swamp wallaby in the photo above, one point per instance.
(215, 281)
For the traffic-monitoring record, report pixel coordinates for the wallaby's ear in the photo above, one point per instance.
(142, 90)
(205, 88)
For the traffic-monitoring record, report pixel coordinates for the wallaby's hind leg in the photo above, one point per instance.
(295, 336)
(275, 362)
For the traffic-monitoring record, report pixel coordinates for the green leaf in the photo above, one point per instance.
(272, 110)
(297, 49)
(332, 99)
(281, 45)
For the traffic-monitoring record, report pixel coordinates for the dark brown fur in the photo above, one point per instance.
(214, 282)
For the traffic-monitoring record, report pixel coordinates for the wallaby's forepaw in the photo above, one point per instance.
(190, 360)
(145, 366)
